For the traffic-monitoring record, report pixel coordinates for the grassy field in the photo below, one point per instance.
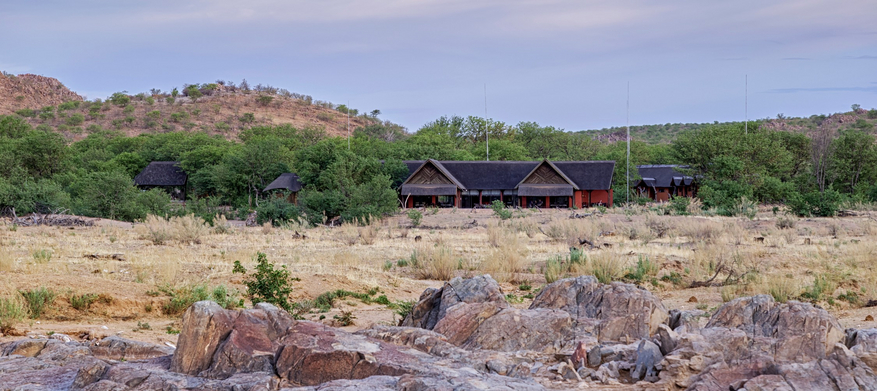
(114, 279)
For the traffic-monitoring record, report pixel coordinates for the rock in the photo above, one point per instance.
(252, 343)
(514, 329)
(117, 348)
(579, 355)
(49, 379)
(863, 343)
(205, 326)
(376, 383)
(434, 303)
(648, 355)
(689, 321)
(667, 339)
(25, 347)
(767, 383)
(462, 319)
(800, 332)
(594, 356)
(613, 312)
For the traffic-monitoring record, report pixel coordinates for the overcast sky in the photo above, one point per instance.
(560, 63)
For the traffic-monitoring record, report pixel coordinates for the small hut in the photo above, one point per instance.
(166, 175)
(286, 181)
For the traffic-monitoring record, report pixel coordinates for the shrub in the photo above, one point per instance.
(644, 268)
(782, 289)
(815, 203)
(182, 298)
(554, 269)
(267, 284)
(434, 262)
(499, 210)
(679, 205)
(180, 116)
(221, 225)
(82, 302)
(264, 100)
(415, 216)
(42, 255)
(247, 118)
(119, 99)
(26, 113)
(368, 234)
(277, 211)
(606, 267)
(189, 228)
(38, 300)
(12, 310)
(786, 222)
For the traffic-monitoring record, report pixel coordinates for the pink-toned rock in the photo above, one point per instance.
(461, 320)
(205, 326)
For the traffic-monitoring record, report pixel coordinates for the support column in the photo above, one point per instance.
(479, 198)
(523, 201)
(433, 200)
(569, 199)
(410, 203)
(548, 202)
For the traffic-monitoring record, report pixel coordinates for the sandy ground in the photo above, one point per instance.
(81, 260)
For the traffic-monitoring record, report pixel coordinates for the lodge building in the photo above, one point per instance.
(660, 181)
(528, 184)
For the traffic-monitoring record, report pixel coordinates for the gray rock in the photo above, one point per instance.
(434, 303)
(648, 355)
(117, 348)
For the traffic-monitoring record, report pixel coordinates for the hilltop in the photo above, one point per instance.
(220, 108)
(664, 133)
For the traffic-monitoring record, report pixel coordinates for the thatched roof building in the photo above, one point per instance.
(516, 183)
(660, 181)
(167, 175)
(287, 181)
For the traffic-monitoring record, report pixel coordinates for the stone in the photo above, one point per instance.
(117, 348)
(863, 343)
(690, 320)
(205, 326)
(612, 312)
(513, 329)
(799, 331)
(667, 339)
(25, 347)
(462, 319)
(251, 344)
(648, 355)
(434, 303)
(579, 355)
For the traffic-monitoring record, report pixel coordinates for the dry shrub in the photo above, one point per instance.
(13, 309)
(7, 260)
(735, 232)
(508, 258)
(347, 234)
(606, 266)
(572, 231)
(157, 230)
(526, 225)
(695, 206)
(189, 229)
(221, 225)
(403, 232)
(790, 236)
(368, 234)
(434, 262)
(659, 226)
(701, 230)
(495, 234)
(786, 222)
(781, 288)
(267, 228)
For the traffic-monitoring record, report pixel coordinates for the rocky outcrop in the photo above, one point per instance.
(434, 303)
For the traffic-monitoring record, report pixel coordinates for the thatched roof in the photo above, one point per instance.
(161, 174)
(286, 181)
(509, 175)
(589, 175)
(663, 175)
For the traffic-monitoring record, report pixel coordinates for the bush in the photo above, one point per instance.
(679, 205)
(266, 284)
(500, 210)
(247, 118)
(277, 211)
(264, 100)
(158, 230)
(119, 99)
(189, 228)
(12, 310)
(415, 216)
(434, 263)
(26, 113)
(38, 300)
(814, 203)
(182, 298)
(82, 302)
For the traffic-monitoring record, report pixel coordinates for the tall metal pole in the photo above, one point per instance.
(486, 128)
(348, 124)
(628, 143)
(746, 107)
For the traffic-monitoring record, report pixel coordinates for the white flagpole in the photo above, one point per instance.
(486, 128)
(628, 143)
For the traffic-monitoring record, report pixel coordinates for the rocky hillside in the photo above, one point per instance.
(577, 334)
(216, 108)
(653, 134)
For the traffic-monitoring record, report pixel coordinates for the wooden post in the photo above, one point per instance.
(433, 200)
(523, 201)
(410, 202)
(479, 198)
(570, 201)
(548, 202)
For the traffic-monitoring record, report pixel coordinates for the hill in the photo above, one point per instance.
(657, 134)
(216, 108)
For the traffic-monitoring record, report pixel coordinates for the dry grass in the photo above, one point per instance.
(700, 230)
(368, 234)
(221, 225)
(434, 262)
(347, 234)
(572, 231)
(507, 258)
(189, 229)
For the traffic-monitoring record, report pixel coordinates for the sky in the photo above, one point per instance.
(565, 64)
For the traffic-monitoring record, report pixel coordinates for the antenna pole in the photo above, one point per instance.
(746, 107)
(486, 127)
(628, 143)
(348, 124)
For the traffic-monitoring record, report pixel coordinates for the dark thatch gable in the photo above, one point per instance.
(482, 175)
(663, 175)
(286, 181)
(589, 175)
(165, 174)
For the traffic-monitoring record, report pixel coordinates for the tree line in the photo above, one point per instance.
(356, 179)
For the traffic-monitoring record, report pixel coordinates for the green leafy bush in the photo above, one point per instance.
(267, 284)
(815, 203)
(277, 211)
(499, 210)
(415, 216)
(38, 300)
(119, 99)
(75, 120)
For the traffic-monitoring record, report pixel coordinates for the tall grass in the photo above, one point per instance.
(13, 309)
(38, 300)
(507, 258)
(434, 262)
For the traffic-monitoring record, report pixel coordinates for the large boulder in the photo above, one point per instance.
(513, 329)
(863, 343)
(205, 326)
(434, 303)
(611, 312)
(116, 348)
(795, 331)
